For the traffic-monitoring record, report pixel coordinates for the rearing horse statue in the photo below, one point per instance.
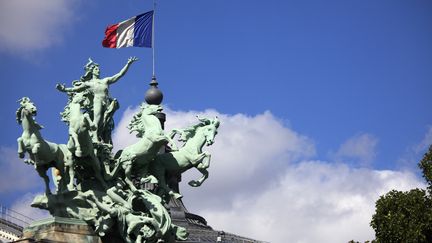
(42, 154)
(138, 156)
(80, 141)
(188, 156)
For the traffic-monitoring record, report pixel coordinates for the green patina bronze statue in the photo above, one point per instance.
(188, 156)
(103, 105)
(152, 138)
(107, 190)
(42, 154)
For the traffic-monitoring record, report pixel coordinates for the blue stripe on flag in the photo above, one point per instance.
(143, 30)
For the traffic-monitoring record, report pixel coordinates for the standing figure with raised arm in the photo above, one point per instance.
(98, 88)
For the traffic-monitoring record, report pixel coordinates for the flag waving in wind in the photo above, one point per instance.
(136, 31)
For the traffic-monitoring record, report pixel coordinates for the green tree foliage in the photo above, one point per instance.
(426, 167)
(403, 217)
(406, 216)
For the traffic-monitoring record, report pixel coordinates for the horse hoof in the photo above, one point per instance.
(194, 184)
(176, 195)
(78, 153)
(205, 165)
(21, 155)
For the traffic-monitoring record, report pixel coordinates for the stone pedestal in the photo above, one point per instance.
(59, 229)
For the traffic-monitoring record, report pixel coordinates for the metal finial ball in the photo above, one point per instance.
(153, 96)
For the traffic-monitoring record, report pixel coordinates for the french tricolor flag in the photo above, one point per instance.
(136, 31)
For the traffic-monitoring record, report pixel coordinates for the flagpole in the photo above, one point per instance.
(153, 35)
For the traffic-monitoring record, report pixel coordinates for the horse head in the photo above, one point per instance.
(80, 98)
(26, 108)
(210, 129)
(151, 109)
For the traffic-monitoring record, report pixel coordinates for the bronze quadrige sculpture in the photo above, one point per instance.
(105, 190)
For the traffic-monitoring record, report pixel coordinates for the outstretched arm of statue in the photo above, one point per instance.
(78, 88)
(122, 72)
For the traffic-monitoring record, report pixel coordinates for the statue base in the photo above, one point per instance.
(58, 229)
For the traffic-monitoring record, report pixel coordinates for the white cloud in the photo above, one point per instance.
(425, 143)
(360, 149)
(121, 136)
(15, 175)
(33, 25)
(249, 152)
(19, 180)
(263, 183)
(246, 147)
(413, 154)
(313, 201)
(22, 206)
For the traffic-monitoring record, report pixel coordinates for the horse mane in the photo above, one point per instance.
(22, 101)
(65, 114)
(189, 132)
(135, 125)
(18, 114)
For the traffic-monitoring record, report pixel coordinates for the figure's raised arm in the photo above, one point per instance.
(77, 88)
(122, 72)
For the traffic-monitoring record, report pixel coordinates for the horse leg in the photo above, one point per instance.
(42, 173)
(159, 173)
(98, 171)
(89, 122)
(74, 137)
(21, 151)
(58, 173)
(107, 174)
(172, 144)
(205, 162)
(92, 127)
(127, 167)
(32, 160)
(145, 176)
(36, 148)
(111, 174)
(198, 159)
(69, 168)
(204, 177)
(197, 183)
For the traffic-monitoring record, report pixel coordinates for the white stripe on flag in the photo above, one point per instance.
(125, 33)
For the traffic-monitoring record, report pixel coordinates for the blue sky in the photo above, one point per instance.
(340, 73)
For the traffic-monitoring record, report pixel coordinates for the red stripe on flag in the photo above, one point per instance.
(110, 40)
